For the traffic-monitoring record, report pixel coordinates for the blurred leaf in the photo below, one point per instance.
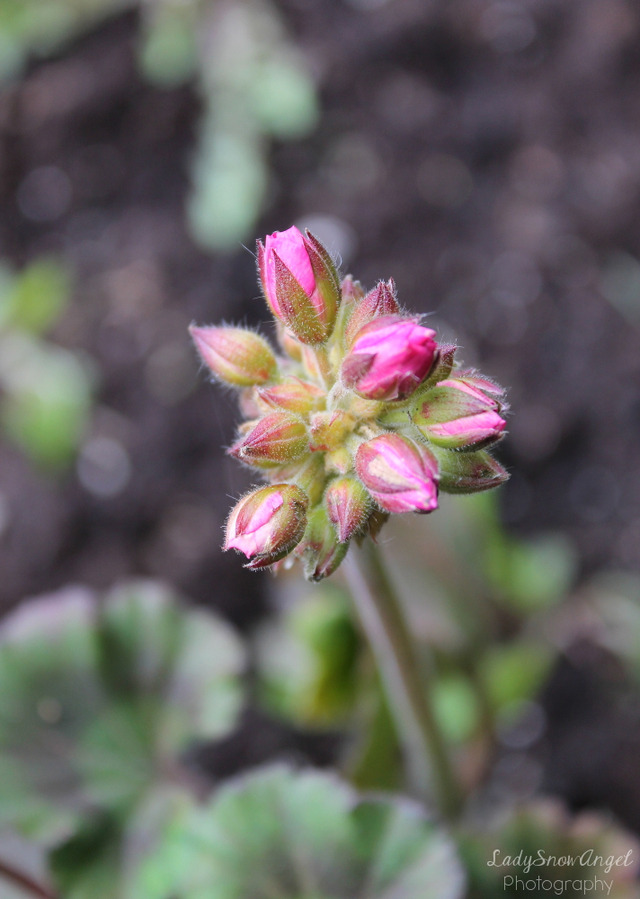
(34, 299)
(615, 597)
(278, 833)
(33, 26)
(103, 858)
(229, 183)
(97, 701)
(309, 659)
(283, 98)
(546, 827)
(516, 671)
(620, 284)
(169, 52)
(530, 575)
(376, 758)
(456, 706)
(47, 398)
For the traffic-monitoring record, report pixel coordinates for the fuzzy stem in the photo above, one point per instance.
(383, 620)
(324, 366)
(26, 883)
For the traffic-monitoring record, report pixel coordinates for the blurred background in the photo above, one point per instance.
(483, 153)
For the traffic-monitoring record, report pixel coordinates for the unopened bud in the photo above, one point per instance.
(235, 355)
(290, 344)
(294, 395)
(379, 301)
(300, 283)
(469, 472)
(474, 379)
(402, 476)
(352, 291)
(329, 429)
(274, 440)
(458, 415)
(267, 524)
(389, 358)
(320, 548)
(348, 506)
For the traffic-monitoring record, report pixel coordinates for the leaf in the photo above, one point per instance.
(531, 575)
(47, 398)
(515, 672)
(308, 660)
(281, 833)
(102, 859)
(35, 299)
(97, 700)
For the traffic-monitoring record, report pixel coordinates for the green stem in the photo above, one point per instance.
(382, 618)
(324, 366)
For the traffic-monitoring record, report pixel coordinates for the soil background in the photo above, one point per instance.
(484, 154)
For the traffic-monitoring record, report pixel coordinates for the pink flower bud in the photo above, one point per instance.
(400, 475)
(473, 379)
(469, 472)
(348, 506)
(235, 355)
(274, 440)
(300, 283)
(389, 358)
(352, 290)
(320, 548)
(329, 429)
(457, 415)
(291, 346)
(294, 395)
(379, 301)
(267, 524)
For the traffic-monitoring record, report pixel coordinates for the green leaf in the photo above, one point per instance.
(103, 858)
(47, 398)
(531, 575)
(456, 706)
(97, 700)
(169, 52)
(34, 300)
(309, 659)
(280, 833)
(516, 672)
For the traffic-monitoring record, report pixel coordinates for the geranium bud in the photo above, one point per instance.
(290, 344)
(338, 461)
(348, 506)
(300, 283)
(473, 379)
(320, 548)
(379, 301)
(442, 367)
(294, 395)
(267, 524)
(274, 440)
(235, 355)
(352, 291)
(469, 472)
(458, 415)
(402, 476)
(389, 358)
(329, 429)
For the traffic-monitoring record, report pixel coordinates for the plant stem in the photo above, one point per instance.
(321, 359)
(25, 882)
(383, 620)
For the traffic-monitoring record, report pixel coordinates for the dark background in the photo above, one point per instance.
(484, 154)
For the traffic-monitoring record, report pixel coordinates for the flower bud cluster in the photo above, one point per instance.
(361, 414)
